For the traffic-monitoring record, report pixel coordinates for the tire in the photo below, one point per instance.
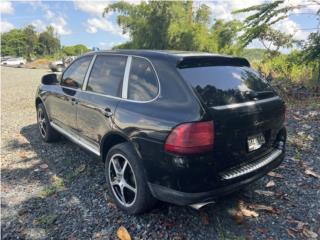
(47, 133)
(136, 202)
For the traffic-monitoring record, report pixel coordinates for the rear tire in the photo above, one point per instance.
(126, 181)
(47, 133)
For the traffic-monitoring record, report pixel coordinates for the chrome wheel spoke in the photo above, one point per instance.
(124, 167)
(42, 128)
(122, 195)
(116, 165)
(126, 185)
(115, 183)
(122, 180)
(42, 122)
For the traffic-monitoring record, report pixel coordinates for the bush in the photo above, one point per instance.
(289, 69)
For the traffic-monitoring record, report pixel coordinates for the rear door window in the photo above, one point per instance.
(74, 75)
(222, 85)
(107, 74)
(143, 83)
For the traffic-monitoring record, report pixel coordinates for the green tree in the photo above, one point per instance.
(179, 25)
(312, 47)
(311, 54)
(265, 15)
(13, 43)
(31, 40)
(75, 50)
(48, 44)
(224, 36)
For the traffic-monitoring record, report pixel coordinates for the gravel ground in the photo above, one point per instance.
(58, 191)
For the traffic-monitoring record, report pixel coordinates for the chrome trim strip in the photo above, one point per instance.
(230, 174)
(251, 103)
(76, 140)
(86, 78)
(126, 78)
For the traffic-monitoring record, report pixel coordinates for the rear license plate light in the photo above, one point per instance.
(255, 142)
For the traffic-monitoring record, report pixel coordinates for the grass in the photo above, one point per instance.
(72, 175)
(46, 219)
(57, 186)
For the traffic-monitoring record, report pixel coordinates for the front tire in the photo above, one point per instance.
(125, 180)
(48, 134)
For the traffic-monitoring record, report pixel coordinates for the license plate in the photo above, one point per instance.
(255, 142)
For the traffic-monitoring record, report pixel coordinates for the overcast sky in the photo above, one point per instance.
(82, 22)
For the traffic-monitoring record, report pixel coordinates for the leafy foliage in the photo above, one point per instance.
(75, 50)
(174, 25)
(257, 25)
(312, 47)
(287, 69)
(251, 54)
(48, 42)
(27, 42)
(273, 40)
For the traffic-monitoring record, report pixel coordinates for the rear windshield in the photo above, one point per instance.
(221, 85)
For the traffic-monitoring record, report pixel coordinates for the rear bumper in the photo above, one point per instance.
(183, 198)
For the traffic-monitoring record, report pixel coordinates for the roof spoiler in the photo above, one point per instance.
(206, 61)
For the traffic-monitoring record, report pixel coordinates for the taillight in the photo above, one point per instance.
(190, 138)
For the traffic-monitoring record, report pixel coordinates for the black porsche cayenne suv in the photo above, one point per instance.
(181, 127)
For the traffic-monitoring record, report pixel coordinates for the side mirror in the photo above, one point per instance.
(49, 79)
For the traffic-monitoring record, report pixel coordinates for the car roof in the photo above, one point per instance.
(155, 53)
(175, 55)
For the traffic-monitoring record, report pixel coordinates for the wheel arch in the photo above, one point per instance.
(38, 101)
(109, 140)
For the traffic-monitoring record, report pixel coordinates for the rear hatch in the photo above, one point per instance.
(246, 111)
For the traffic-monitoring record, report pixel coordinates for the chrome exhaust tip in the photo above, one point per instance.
(197, 206)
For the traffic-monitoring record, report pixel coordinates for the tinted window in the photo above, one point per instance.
(107, 74)
(75, 74)
(143, 84)
(220, 85)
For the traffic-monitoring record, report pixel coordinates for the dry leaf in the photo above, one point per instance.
(246, 212)
(177, 238)
(265, 193)
(309, 172)
(123, 233)
(111, 205)
(270, 184)
(263, 208)
(97, 236)
(309, 234)
(301, 225)
(274, 174)
(204, 218)
(44, 166)
(262, 230)
(238, 217)
(81, 168)
(291, 233)
(23, 155)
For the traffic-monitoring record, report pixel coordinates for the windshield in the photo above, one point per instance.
(221, 85)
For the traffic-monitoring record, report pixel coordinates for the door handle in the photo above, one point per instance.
(107, 112)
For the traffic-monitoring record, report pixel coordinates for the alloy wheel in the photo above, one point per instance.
(42, 122)
(122, 180)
